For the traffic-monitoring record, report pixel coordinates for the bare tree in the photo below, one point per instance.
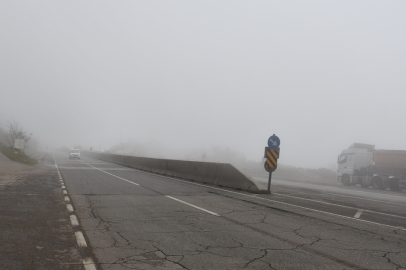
(3, 137)
(15, 131)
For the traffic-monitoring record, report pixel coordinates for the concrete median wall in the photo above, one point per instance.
(219, 174)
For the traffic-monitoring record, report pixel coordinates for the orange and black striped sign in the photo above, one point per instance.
(271, 156)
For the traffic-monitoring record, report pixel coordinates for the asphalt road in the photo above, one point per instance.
(35, 231)
(137, 220)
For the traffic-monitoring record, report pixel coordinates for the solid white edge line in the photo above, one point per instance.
(80, 239)
(89, 264)
(192, 205)
(74, 220)
(69, 207)
(358, 214)
(111, 174)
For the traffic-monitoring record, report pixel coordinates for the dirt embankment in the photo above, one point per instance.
(11, 171)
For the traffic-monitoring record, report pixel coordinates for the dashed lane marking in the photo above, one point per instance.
(358, 214)
(288, 204)
(74, 220)
(65, 192)
(192, 205)
(89, 264)
(257, 197)
(80, 239)
(197, 207)
(69, 207)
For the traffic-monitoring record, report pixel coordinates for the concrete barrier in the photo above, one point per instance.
(218, 174)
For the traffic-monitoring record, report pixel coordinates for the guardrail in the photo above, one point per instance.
(218, 174)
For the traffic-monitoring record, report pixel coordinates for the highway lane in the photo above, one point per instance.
(134, 219)
(375, 205)
(368, 193)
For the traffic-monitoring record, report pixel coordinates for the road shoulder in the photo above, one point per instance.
(35, 231)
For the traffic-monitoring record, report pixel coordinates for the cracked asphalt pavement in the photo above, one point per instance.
(35, 232)
(137, 220)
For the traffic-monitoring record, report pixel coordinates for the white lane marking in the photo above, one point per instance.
(358, 214)
(63, 186)
(56, 165)
(339, 205)
(69, 207)
(76, 162)
(111, 174)
(74, 220)
(90, 168)
(192, 205)
(89, 264)
(350, 196)
(255, 196)
(373, 200)
(80, 239)
(65, 192)
(332, 214)
(67, 199)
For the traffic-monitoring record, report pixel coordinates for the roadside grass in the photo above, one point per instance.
(17, 155)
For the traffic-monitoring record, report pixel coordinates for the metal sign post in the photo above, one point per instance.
(269, 182)
(272, 156)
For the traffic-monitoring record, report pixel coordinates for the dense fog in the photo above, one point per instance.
(190, 80)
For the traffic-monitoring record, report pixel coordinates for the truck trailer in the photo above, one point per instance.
(362, 164)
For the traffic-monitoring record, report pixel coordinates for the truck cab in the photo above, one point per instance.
(362, 164)
(354, 161)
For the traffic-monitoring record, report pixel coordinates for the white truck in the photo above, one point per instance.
(364, 165)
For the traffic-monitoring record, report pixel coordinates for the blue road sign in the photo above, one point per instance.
(274, 142)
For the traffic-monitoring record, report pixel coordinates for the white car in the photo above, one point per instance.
(74, 153)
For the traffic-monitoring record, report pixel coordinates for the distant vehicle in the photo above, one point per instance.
(74, 153)
(362, 164)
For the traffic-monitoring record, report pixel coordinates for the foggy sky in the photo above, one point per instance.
(187, 75)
